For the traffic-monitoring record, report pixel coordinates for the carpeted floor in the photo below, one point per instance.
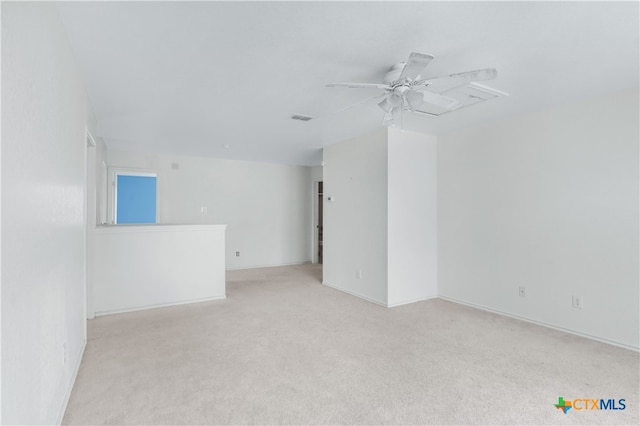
(284, 349)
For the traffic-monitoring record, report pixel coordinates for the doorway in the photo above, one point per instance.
(319, 196)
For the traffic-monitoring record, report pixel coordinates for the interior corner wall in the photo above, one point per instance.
(355, 222)
(547, 201)
(412, 217)
(266, 207)
(44, 117)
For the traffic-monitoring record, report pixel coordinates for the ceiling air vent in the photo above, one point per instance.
(301, 117)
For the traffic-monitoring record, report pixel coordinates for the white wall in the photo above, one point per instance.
(355, 223)
(138, 267)
(44, 114)
(412, 222)
(316, 173)
(266, 207)
(548, 201)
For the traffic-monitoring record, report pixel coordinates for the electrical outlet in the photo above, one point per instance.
(359, 274)
(237, 254)
(522, 291)
(203, 209)
(577, 302)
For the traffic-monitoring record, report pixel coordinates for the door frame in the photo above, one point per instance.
(89, 222)
(314, 228)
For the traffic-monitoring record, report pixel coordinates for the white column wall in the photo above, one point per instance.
(412, 217)
(355, 222)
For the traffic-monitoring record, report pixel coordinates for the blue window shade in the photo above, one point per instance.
(136, 199)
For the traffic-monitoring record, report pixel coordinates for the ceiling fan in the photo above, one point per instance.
(404, 89)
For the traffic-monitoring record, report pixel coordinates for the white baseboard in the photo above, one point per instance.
(72, 382)
(162, 305)
(494, 311)
(543, 324)
(378, 302)
(407, 302)
(353, 293)
(269, 265)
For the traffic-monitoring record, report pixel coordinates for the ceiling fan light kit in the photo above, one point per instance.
(406, 90)
(301, 117)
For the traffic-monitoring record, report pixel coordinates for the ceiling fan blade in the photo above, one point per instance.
(359, 103)
(341, 109)
(361, 86)
(441, 101)
(477, 75)
(426, 113)
(414, 66)
(448, 82)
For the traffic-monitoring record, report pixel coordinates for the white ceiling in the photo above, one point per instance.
(191, 77)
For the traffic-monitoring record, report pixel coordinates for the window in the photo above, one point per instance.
(134, 197)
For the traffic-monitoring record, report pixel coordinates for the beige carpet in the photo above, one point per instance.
(284, 349)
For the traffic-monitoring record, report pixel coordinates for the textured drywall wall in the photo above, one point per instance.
(44, 117)
(355, 216)
(547, 201)
(412, 227)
